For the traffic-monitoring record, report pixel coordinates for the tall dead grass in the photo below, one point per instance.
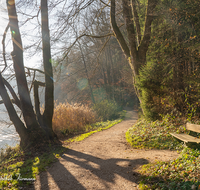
(73, 118)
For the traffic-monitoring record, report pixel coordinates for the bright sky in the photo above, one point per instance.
(28, 31)
(3, 18)
(35, 61)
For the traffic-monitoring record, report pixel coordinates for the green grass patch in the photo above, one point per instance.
(155, 135)
(99, 126)
(182, 173)
(17, 166)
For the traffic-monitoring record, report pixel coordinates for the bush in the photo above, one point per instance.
(72, 118)
(150, 85)
(107, 110)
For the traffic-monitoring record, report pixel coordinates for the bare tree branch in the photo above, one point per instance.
(4, 48)
(12, 100)
(20, 127)
(16, 99)
(147, 31)
(39, 83)
(128, 16)
(30, 17)
(107, 4)
(33, 69)
(104, 45)
(37, 101)
(117, 32)
(91, 36)
(102, 48)
(137, 22)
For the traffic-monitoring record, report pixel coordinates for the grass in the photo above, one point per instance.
(182, 173)
(17, 165)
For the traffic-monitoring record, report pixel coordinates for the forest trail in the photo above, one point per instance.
(102, 161)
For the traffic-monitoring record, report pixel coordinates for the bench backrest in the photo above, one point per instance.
(193, 127)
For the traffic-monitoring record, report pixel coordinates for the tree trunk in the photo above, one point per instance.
(49, 81)
(17, 56)
(19, 125)
(136, 49)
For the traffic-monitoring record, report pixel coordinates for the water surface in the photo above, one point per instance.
(8, 134)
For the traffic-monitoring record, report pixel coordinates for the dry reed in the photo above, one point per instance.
(73, 118)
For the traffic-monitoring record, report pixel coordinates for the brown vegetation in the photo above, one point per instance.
(69, 118)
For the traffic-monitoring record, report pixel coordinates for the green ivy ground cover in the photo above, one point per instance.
(179, 174)
(154, 135)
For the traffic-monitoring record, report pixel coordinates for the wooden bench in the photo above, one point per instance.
(188, 138)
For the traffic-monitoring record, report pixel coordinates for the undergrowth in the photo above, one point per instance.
(155, 134)
(182, 173)
(18, 169)
(107, 110)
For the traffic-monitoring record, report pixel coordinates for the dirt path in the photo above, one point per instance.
(101, 161)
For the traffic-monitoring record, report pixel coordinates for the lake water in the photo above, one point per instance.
(8, 135)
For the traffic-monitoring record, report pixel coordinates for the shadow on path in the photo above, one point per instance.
(80, 170)
(76, 170)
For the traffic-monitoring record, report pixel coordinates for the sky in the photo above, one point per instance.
(35, 61)
(28, 31)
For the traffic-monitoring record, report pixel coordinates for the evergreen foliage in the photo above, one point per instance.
(169, 82)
